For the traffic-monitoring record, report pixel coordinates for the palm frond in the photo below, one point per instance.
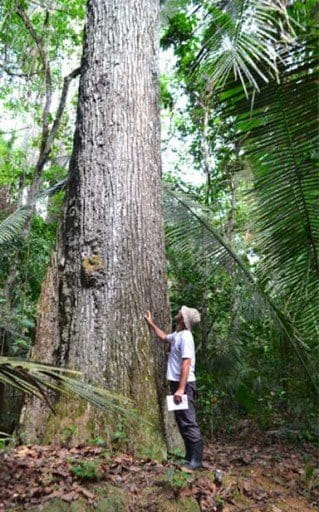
(48, 192)
(12, 225)
(239, 38)
(279, 136)
(39, 378)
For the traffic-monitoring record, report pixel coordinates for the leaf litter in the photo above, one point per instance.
(257, 477)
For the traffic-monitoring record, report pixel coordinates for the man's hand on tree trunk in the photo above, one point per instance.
(148, 317)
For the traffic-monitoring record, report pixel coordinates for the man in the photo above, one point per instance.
(181, 377)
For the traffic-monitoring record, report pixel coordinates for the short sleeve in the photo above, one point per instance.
(187, 346)
(171, 337)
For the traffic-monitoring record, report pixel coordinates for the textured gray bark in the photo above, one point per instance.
(112, 266)
(113, 234)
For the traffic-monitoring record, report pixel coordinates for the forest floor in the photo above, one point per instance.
(260, 474)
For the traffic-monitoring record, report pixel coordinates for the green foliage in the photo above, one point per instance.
(177, 479)
(176, 453)
(18, 302)
(13, 164)
(180, 29)
(166, 96)
(119, 436)
(98, 441)
(123, 433)
(5, 440)
(283, 160)
(310, 474)
(13, 224)
(234, 38)
(88, 471)
(60, 26)
(68, 432)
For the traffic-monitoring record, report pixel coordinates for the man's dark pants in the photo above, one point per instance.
(186, 418)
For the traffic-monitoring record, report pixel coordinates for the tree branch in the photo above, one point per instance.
(48, 87)
(19, 75)
(44, 153)
(60, 109)
(48, 136)
(38, 41)
(48, 8)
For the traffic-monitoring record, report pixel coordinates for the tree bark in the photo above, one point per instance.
(112, 266)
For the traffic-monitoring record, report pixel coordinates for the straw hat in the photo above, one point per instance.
(191, 317)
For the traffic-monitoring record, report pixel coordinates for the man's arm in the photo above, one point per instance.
(161, 334)
(186, 364)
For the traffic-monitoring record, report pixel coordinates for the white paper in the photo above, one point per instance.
(171, 406)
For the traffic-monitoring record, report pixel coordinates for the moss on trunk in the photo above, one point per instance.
(76, 422)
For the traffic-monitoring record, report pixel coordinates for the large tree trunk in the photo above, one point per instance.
(112, 267)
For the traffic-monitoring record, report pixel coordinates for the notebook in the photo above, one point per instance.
(171, 406)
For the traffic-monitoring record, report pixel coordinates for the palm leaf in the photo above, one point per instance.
(238, 39)
(12, 225)
(39, 378)
(279, 136)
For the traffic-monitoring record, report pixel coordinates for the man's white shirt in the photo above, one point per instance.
(182, 347)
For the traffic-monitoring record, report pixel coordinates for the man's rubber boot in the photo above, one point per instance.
(188, 449)
(196, 455)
